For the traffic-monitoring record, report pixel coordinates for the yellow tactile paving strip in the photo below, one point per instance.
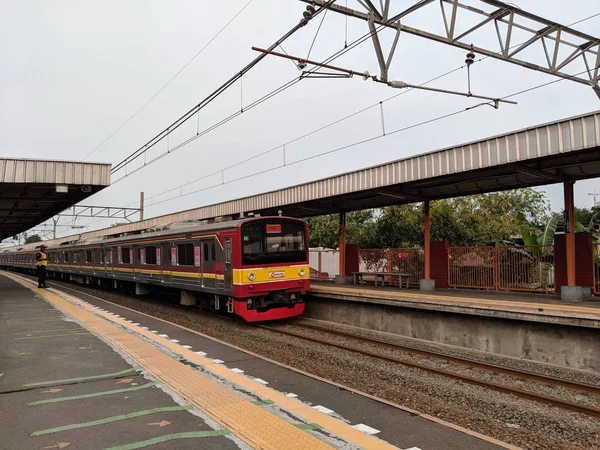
(509, 305)
(249, 422)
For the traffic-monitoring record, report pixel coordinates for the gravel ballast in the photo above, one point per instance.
(527, 424)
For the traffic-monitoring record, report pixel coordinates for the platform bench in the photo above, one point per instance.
(358, 277)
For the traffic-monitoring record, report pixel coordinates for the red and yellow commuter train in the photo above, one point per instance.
(256, 268)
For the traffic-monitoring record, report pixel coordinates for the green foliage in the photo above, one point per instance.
(33, 238)
(324, 230)
(485, 219)
(117, 224)
(530, 233)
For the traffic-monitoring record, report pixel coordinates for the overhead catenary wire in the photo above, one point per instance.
(343, 118)
(238, 112)
(331, 58)
(169, 81)
(185, 117)
(363, 141)
(357, 42)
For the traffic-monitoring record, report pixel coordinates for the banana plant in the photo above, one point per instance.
(591, 228)
(532, 239)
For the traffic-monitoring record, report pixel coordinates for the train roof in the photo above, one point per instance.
(173, 228)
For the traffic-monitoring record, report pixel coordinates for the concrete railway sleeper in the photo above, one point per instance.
(528, 424)
(572, 406)
(518, 373)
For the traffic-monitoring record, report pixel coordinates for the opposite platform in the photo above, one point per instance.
(534, 308)
(233, 408)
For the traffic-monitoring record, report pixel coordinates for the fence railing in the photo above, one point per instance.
(324, 264)
(526, 268)
(471, 267)
(397, 260)
(596, 257)
(510, 268)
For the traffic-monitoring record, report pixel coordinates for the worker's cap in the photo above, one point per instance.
(42, 247)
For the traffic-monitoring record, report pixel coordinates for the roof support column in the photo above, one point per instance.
(141, 206)
(571, 292)
(343, 243)
(427, 284)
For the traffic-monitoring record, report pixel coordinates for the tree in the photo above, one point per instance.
(33, 238)
(485, 219)
(118, 224)
(324, 230)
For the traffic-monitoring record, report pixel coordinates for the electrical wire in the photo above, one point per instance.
(185, 117)
(316, 35)
(343, 118)
(354, 144)
(360, 40)
(169, 82)
(266, 97)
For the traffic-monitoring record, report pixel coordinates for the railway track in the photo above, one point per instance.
(493, 368)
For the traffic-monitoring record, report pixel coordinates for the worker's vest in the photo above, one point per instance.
(42, 259)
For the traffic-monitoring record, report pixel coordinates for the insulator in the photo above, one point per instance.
(307, 15)
(310, 9)
(470, 58)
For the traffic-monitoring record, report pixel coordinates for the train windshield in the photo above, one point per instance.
(273, 242)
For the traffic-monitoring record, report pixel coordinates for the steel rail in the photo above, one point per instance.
(563, 404)
(582, 409)
(518, 373)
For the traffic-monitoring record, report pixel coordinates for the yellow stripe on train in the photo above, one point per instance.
(270, 274)
(240, 276)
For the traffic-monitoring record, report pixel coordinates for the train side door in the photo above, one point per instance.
(168, 262)
(228, 275)
(201, 268)
(209, 273)
(136, 263)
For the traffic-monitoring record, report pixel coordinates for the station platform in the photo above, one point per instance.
(508, 305)
(79, 372)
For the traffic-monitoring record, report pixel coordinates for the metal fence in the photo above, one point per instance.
(324, 264)
(397, 260)
(526, 268)
(471, 267)
(510, 268)
(596, 256)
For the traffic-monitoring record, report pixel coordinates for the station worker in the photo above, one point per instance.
(41, 261)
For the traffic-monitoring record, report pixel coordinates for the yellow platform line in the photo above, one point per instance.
(249, 422)
(424, 298)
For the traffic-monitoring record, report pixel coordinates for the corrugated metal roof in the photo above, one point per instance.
(53, 172)
(28, 189)
(545, 142)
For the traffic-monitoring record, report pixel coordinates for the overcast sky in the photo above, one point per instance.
(72, 72)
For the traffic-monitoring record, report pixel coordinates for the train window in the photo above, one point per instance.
(138, 254)
(278, 241)
(185, 254)
(88, 256)
(227, 251)
(150, 255)
(67, 256)
(213, 251)
(206, 251)
(125, 256)
(100, 256)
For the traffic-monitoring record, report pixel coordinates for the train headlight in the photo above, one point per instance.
(251, 276)
(301, 272)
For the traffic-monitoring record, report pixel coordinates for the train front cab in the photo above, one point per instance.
(271, 269)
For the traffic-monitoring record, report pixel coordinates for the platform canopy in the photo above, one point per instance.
(32, 191)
